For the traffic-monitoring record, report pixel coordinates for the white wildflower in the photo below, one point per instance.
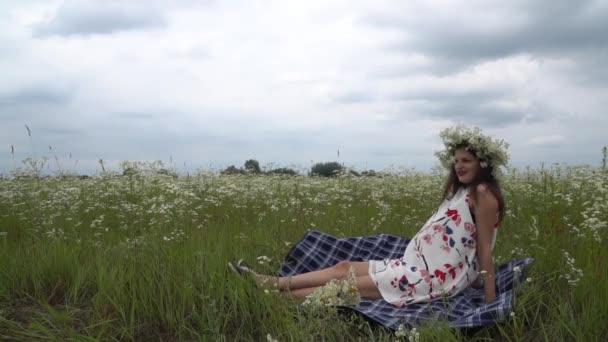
(491, 152)
(518, 251)
(411, 335)
(336, 292)
(263, 259)
(573, 274)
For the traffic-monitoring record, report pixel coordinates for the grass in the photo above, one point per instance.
(144, 257)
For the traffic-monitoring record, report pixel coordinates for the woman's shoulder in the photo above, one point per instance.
(481, 188)
(484, 197)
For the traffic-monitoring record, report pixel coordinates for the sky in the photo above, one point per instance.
(207, 84)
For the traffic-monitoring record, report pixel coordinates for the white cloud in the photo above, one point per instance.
(547, 140)
(293, 81)
(89, 17)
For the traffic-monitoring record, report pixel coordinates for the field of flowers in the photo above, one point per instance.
(143, 256)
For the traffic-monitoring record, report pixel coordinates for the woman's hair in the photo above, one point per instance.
(484, 176)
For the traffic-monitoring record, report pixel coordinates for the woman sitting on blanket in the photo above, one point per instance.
(452, 250)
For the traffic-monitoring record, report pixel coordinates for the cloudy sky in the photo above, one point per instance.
(206, 84)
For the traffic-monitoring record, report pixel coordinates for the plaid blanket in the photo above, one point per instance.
(317, 250)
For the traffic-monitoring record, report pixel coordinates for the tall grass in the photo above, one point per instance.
(143, 257)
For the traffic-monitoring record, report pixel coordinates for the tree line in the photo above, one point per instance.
(322, 169)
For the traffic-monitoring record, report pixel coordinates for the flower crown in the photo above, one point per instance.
(490, 152)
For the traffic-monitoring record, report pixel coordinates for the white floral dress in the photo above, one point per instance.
(440, 260)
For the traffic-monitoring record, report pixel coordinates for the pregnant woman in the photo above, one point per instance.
(452, 250)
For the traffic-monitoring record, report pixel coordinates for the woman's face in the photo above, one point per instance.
(466, 165)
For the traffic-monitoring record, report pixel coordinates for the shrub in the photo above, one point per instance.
(130, 171)
(369, 173)
(329, 169)
(167, 173)
(283, 171)
(232, 170)
(252, 166)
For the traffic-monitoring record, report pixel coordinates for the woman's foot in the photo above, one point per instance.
(239, 268)
(244, 266)
(243, 269)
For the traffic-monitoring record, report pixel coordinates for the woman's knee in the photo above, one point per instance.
(342, 268)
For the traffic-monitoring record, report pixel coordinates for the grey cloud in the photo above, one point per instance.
(473, 107)
(36, 95)
(100, 17)
(590, 69)
(443, 97)
(547, 28)
(39, 103)
(478, 115)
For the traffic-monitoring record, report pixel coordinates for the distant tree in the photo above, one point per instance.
(167, 173)
(329, 169)
(129, 171)
(283, 171)
(369, 173)
(252, 166)
(232, 170)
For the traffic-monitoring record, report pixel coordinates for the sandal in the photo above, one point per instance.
(240, 267)
(244, 266)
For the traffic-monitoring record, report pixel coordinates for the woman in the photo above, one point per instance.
(453, 249)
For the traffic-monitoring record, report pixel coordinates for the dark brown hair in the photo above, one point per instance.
(484, 176)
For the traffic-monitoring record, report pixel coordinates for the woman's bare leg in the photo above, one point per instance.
(315, 278)
(365, 286)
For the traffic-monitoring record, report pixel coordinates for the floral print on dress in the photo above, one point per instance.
(440, 260)
(453, 214)
(448, 240)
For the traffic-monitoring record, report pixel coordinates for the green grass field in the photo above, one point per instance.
(143, 257)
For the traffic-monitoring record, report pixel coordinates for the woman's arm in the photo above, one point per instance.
(486, 208)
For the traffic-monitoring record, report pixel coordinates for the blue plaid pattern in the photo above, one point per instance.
(317, 250)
